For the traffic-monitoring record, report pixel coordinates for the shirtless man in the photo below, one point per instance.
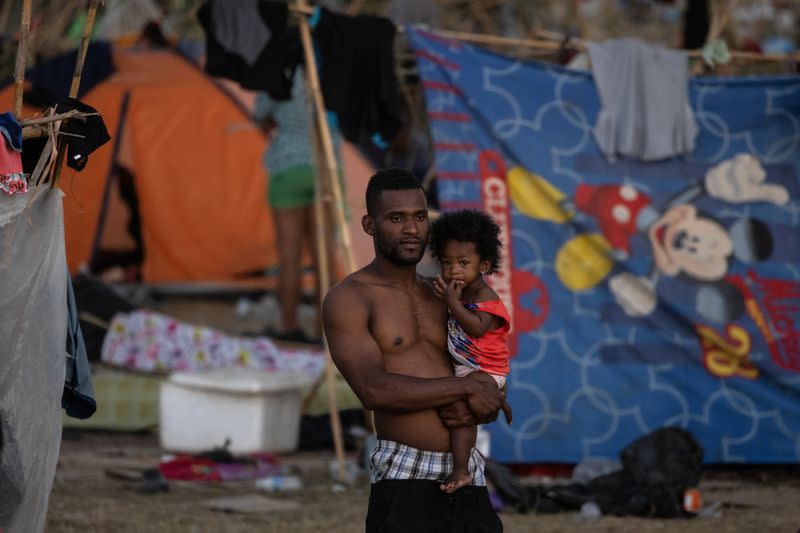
(386, 333)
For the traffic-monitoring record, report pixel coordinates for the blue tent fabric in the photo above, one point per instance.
(54, 75)
(642, 295)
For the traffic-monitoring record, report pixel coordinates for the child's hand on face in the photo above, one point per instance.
(451, 292)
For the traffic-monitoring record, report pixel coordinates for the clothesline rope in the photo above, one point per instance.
(553, 41)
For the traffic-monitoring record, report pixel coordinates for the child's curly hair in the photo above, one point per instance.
(468, 225)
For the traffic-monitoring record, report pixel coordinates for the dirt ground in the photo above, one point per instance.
(87, 499)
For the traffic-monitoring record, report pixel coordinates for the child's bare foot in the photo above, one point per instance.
(458, 479)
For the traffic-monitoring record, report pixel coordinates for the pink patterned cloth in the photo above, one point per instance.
(12, 180)
(13, 184)
(154, 343)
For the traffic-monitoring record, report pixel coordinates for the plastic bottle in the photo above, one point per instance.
(590, 511)
(279, 483)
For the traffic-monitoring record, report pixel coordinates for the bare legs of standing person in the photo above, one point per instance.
(291, 233)
(294, 232)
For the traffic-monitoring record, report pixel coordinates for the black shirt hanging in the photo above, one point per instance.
(274, 67)
(87, 133)
(357, 74)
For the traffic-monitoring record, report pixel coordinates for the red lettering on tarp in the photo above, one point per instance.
(509, 284)
(775, 315)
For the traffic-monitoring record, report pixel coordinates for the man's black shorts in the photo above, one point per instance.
(419, 506)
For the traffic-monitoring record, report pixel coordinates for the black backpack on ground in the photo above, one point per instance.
(656, 470)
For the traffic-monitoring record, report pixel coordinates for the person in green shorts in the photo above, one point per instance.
(288, 161)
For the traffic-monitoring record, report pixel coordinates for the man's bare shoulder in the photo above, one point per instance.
(352, 290)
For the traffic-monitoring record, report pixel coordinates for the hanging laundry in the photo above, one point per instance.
(239, 29)
(91, 133)
(357, 74)
(13, 182)
(219, 61)
(78, 396)
(645, 98)
(11, 130)
(274, 65)
(696, 23)
(12, 179)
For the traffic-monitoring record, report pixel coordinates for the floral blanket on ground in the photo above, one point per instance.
(149, 342)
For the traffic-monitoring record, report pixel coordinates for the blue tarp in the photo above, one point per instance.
(642, 294)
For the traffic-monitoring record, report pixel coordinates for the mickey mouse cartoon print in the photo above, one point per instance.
(686, 243)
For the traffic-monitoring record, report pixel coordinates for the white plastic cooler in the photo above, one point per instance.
(257, 411)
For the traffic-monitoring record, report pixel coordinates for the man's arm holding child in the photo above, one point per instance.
(358, 357)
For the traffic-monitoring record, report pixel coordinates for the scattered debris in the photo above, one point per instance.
(280, 483)
(250, 503)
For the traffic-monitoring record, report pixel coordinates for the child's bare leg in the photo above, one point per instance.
(462, 440)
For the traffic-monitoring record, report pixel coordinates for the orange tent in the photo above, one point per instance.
(196, 160)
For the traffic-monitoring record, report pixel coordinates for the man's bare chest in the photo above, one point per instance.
(401, 321)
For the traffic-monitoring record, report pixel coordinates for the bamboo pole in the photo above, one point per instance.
(73, 113)
(34, 132)
(76, 77)
(322, 140)
(478, 11)
(22, 55)
(580, 22)
(323, 243)
(720, 19)
(580, 44)
(494, 40)
(325, 134)
(324, 281)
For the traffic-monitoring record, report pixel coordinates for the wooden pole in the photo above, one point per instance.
(74, 113)
(40, 127)
(580, 22)
(478, 11)
(85, 39)
(322, 143)
(324, 279)
(720, 19)
(552, 42)
(493, 40)
(328, 153)
(22, 55)
(76, 77)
